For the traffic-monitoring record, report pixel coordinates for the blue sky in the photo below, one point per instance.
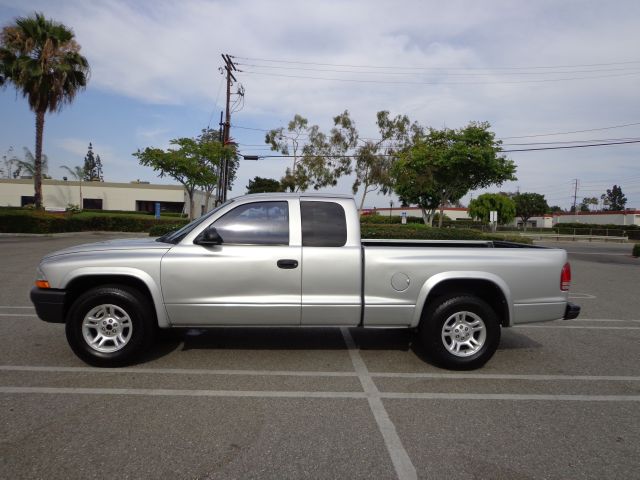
(155, 77)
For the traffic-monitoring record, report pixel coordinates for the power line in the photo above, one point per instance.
(387, 67)
(571, 146)
(502, 151)
(383, 82)
(445, 72)
(574, 131)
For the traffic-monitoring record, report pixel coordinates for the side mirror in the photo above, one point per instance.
(209, 237)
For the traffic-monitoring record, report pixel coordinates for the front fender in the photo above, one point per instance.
(433, 281)
(148, 280)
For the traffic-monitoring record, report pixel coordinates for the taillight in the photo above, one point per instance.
(565, 277)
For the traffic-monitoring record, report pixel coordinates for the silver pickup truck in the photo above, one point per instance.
(298, 260)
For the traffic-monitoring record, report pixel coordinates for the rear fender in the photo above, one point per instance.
(437, 279)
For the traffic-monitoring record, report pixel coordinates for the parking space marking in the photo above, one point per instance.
(586, 327)
(582, 295)
(401, 461)
(178, 371)
(163, 392)
(294, 373)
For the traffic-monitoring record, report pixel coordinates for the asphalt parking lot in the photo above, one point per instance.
(558, 400)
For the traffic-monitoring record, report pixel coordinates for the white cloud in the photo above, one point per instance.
(167, 53)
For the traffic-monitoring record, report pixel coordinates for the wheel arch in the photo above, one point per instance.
(489, 287)
(81, 280)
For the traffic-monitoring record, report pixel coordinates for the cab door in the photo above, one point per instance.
(252, 278)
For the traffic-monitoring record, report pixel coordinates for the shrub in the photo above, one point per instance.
(422, 232)
(159, 230)
(636, 250)
(42, 222)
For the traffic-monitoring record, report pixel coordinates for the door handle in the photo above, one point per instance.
(287, 264)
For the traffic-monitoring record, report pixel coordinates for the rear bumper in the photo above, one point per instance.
(49, 304)
(572, 311)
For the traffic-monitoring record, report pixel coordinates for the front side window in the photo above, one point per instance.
(259, 223)
(323, 224)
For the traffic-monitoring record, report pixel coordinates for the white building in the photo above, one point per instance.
(453, 213)
(134, 196)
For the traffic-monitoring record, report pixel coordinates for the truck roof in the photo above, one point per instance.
(294, 195)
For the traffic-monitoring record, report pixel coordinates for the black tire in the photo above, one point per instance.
(438, 343)
(136, 326)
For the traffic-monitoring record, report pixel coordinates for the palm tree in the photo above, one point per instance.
(78, 173)
(42, 60)
(29, 164)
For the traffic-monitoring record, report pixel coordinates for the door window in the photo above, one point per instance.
(259, 223)
(323, 224)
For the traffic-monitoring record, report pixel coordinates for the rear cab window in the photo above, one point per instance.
(324, 224)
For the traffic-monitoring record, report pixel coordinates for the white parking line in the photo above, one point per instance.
(161, 392)
(175, 371)
(401, 461)
(585, 327)
(295, 373)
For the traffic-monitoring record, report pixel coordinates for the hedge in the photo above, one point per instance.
(159, 230)
(41, 222)
(636, 250)
(422, 232)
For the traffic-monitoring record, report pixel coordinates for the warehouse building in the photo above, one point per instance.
(135, 196)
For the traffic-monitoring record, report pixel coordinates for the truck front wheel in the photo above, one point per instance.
(108, 326)
(460, 332)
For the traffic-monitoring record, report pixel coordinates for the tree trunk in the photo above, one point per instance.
(364, 194)
(191, 205)
(37, 174)
(427, 218)
(441, 215)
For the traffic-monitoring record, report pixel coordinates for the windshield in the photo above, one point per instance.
(177, 235)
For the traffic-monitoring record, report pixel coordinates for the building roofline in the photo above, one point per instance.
(150, 186)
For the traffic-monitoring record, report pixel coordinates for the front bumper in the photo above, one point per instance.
(49, 304)
(572, 311)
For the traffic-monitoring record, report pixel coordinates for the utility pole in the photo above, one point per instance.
(575, 196)
(229, 67)
(219, 186)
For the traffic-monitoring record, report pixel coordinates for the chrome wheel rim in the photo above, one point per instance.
(464, 334)
(107, 328)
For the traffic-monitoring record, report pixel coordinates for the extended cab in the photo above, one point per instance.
(298, 260)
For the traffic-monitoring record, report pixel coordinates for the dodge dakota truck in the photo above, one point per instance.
(298, 260)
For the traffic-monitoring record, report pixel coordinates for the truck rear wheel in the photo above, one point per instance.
(109, 326)
(460, 332)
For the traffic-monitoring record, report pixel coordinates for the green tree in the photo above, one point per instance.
(480, 208)
(373, 159)
(191, 163)
(529, 205)
(615, 199)
(586, 202)
(210, 145)
(263, 185)
(79, 174)
(92, 166)
(41, 58)
(555, 209)
(319, 159)
(443, 165)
